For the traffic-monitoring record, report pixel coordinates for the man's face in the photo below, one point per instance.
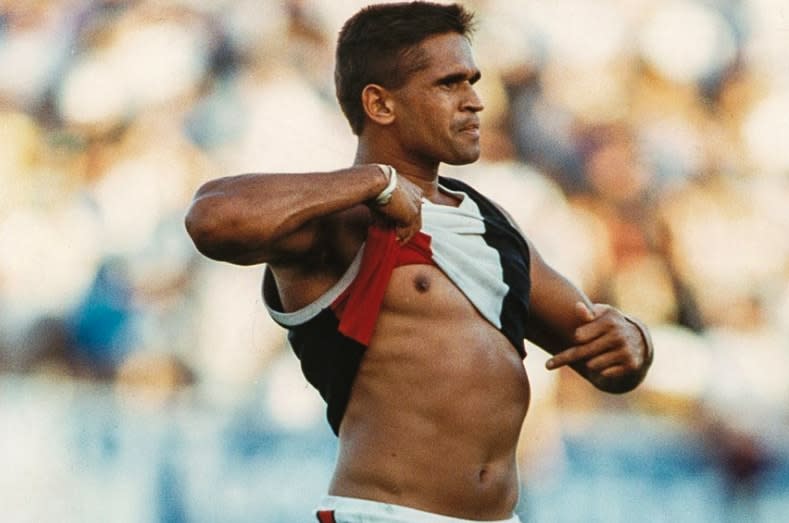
(436, 110)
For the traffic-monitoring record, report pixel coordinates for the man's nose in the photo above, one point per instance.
(472, 101)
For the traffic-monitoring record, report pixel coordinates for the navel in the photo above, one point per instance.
(422, 283)
(483, 475)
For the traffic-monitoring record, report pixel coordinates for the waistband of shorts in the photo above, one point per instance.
(350, 507)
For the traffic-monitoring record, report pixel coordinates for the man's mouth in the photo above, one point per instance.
(471, 129)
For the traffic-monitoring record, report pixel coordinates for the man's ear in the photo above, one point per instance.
(378, 104)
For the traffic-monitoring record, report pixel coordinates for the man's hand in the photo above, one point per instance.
(606, 345)
(404, 210)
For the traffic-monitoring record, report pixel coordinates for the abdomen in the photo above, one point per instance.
(436, 409)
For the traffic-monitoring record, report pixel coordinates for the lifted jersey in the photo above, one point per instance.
(474, 245)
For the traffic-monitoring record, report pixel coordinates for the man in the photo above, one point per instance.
(408, 295)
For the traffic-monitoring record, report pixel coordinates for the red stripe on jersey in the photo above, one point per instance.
(358, 306)
(326, 516)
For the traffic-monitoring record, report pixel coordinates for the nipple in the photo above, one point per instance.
(422, 283)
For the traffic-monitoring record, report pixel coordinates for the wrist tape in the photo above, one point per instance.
(386, 195)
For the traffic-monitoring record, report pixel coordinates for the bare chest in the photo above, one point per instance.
(430, 330)
(424, 291)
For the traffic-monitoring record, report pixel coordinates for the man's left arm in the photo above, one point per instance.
(609, 349)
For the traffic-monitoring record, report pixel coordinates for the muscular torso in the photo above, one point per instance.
(437, 406)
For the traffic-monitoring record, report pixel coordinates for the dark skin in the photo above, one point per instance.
(423, 427)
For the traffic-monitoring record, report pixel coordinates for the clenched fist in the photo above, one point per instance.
(403, 211)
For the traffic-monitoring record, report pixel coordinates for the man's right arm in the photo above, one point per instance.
(256, 218)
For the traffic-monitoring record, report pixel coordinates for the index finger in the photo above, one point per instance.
(563, 358)
(578, 353)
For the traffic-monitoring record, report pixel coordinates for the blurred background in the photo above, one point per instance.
(642, 144)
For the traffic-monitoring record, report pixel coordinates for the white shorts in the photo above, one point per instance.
(337, 509)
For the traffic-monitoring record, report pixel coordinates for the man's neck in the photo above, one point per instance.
(425, 176)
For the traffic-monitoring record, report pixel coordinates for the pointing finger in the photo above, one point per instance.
(578, 353)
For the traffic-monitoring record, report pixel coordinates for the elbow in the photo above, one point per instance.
(203, 227)
(220, 231)
(210, 221)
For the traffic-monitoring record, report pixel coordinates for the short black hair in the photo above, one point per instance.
(380, 44)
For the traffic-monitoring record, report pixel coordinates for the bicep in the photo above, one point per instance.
(257, 218)
(287, 250)
(552, 318)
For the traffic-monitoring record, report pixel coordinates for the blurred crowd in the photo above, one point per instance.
(643, 146)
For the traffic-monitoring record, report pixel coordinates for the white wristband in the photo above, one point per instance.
(386, 195)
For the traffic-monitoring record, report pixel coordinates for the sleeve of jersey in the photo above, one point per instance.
(359, 305)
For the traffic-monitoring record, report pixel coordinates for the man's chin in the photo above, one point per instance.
(463, 158)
